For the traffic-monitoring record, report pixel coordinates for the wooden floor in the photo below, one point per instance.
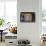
(2, 43)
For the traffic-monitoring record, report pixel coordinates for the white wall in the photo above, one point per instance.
(31, 30)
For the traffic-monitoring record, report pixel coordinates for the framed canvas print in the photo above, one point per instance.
(27, 17)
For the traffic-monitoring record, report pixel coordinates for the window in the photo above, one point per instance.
(44, 16)
(11, 11)
(1, 9)
(8, 10)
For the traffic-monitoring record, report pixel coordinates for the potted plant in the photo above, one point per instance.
(1, 22)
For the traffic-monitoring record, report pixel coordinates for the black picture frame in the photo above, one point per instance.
(27, 16)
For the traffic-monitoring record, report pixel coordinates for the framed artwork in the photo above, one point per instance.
(27, 16)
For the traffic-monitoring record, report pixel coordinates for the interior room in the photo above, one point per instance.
(22, 22)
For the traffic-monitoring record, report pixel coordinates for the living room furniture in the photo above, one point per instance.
(1, 34)
(11, 39)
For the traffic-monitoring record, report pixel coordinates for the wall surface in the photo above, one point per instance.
(31, 30)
